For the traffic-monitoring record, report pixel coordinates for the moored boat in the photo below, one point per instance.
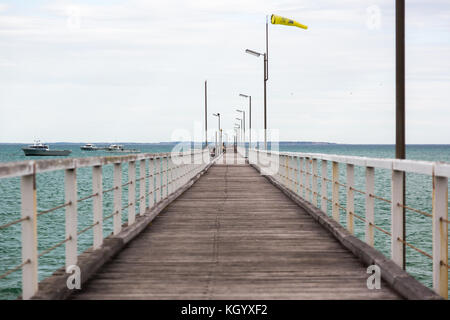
(40, 149)
(89, 147)
(119, 148)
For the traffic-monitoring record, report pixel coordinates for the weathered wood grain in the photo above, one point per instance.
(233, 235)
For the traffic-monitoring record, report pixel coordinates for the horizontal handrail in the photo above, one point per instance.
(21, 168)
(431, 168)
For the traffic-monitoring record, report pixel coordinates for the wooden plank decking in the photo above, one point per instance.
(233, 235)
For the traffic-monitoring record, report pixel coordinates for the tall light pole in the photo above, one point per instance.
(243, 112)
(400, 146)
(266, 77)
(206, 113)
(220, 131)
(274, 20)
(238, 127)
(250, 116)
(240, 119)
(243, 120)
(236, 130)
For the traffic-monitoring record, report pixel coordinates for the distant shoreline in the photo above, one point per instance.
(285, 143)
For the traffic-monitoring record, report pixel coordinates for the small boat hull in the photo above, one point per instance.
(33, 152)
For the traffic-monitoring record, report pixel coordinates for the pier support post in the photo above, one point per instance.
(440, 235)
(324, 192)
(397, 217)
(350, 197)
(71, 217)
(314, 182)
(157, 179)
(302, 180)
(307, 180)
(117, 218)
(335, 190)
(286, 171)
(29, 237)
(97, 206)
(142, 187)
(370, 202)
(151, 182)
(131, 192)
(167, 178)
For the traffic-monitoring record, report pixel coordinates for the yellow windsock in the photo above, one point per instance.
(287, 22)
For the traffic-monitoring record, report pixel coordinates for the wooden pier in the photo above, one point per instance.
(233, 235)
(224, 228)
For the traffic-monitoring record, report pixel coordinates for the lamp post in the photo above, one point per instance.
(243, 121)
(250, 117)
(400, 146)
(266, 61)
(220, 131)
(236, 134)
(266, 77)
(237, 127)
(240, 126)
(206, 113)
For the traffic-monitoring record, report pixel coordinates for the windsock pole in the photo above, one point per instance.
(266, 77)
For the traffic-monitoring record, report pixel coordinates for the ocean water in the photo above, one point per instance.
(50, 188)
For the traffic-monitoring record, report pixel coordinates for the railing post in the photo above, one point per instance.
(117, 218)
(142, 187)
(97, 206)
(167, 176)
(71, 217)
(157, 179)
(307, 180)
(397, 217)
(193, 166)
(335, 190)
(291, 173)
(314, 182)
(151, 182)
(324, 173)
(286, 171)
(440, 235)
(293, 177)
(297, 176)
(170, 174)
(370, 202)
(350, 197)
(161, 177)
(29, 237)
(131, 192)
(302, 180)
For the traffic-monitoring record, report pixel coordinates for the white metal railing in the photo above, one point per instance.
(167, 173)
(299, 172)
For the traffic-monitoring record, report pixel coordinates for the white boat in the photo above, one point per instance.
(40, 149)
(115, 147)
(89, 147)
(119, 148)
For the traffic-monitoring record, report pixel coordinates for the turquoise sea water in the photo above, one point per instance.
(50, 188)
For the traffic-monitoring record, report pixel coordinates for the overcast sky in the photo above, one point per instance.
(134, 70)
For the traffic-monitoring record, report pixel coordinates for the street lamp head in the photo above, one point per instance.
(254, 53)
(238, 110)
(216, 114)
(243, 95)
(238, 119)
